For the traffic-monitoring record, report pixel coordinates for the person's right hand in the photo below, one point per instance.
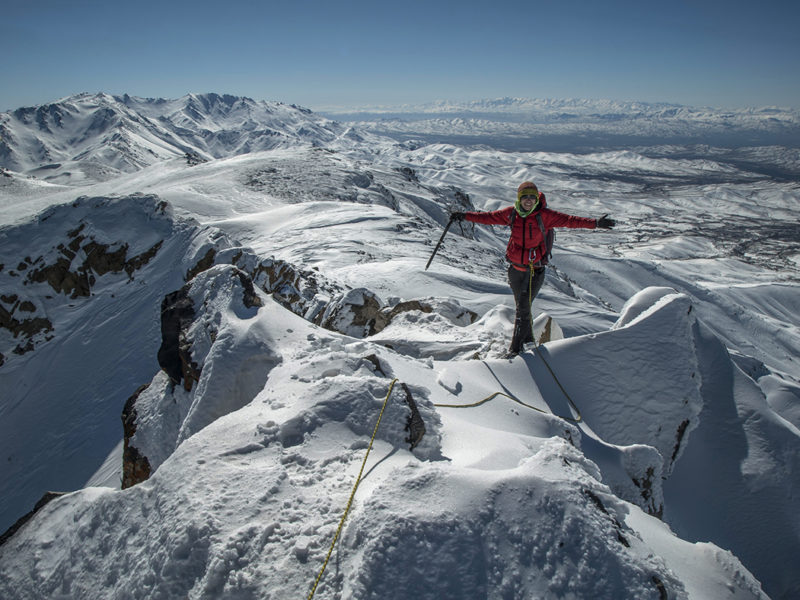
(605, 223)
(457, 216)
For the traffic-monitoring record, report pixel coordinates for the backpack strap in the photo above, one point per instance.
(548, 237)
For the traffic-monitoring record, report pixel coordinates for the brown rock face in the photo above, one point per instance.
(174, 355)
(135, 467)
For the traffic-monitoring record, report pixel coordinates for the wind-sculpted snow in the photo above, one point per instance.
(658, 401)
(539, 530)
(247, 506)
(231, 354)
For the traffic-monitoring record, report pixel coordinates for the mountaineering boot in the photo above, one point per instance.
(523, 334)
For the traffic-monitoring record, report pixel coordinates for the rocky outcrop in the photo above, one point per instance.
(43, 501)
(70, 268)
(135, 466)
(75, 278)
(305, 292)
(18, 317)
(354, 313)
(174, 355)
(210, 316)
(203, 264)
(360, 313)
(385, 315)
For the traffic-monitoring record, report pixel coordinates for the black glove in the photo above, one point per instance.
(605, 223)
(457, 216)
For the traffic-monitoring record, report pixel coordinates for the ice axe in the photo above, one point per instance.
(441, 239)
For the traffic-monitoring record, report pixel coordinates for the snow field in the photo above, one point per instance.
(675, 337)
(257, 492)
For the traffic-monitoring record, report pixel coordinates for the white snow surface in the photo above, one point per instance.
(648, 448)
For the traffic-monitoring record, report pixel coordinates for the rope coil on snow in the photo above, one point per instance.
(353, 493)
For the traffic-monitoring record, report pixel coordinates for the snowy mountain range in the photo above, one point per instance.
(97, 137)
(570, 124)
(207, 304)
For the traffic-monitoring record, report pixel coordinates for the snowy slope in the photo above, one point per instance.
(254, 449)
(246, 507)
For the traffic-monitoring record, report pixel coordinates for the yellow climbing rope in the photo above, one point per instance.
(492, 397)
(577, 419)
(353, 493)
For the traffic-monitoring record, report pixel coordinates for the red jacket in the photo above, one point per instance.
(526, 244)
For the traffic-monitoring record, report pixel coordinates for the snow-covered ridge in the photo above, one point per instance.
(95, 137)
(540, 508)
(674, 336)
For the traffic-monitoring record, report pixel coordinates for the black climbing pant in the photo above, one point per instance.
(525, 289)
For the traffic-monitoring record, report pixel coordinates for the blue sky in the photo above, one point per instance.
(726, 53)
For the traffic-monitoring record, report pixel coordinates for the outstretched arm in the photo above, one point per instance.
(494, 217)
(553, 218)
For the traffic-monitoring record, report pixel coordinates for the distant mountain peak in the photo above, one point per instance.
(108, 135)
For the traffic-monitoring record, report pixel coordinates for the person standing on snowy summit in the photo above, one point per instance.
(527, 252)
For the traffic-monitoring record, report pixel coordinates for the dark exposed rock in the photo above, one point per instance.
(354, 313)
(293, 288)
(174, 355)
(679, 438)
(27, 306)
(20, 349)
(61, 279)
(415, 426)
(645, 486)
(251, 299)
(193, 159)
(373, 358)
(662, 589)
(99, 260)
(385, 316)
(617, 525)
(203, 264)
(409, 174)
(19, 314)
(140, 260)
(26, 328)
(135, 466)
(43, 501)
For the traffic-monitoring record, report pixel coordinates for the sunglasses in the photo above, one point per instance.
(529, 197)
